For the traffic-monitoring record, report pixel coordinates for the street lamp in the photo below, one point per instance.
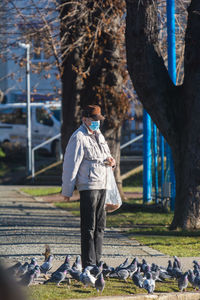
(28, 119)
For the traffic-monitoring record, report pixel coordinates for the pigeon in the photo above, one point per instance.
(100, 283)
(64, 266)
(149, 283)
(47, 265)
(170, 268)
(123, 274)
(37, 272)
(58, 277)
(143, 265)
(75, 274)
(183, 282)
(107, 270)
(87, 279)
(195, 262)
(23, 269)
(196, 270)
(32, 264)
(77, 266)
(96, 270)
(137, 278)
(176, 259)
(155, 274)
(132, 268)
(122, 265)
(13, 270)
(197, 281)
(191, 277)
(27, 278)
(176, 272)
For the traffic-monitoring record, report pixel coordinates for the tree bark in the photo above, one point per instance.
(174, 109)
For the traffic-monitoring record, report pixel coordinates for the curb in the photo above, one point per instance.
(169, 296)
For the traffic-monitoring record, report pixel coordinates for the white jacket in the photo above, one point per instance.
(84, 161)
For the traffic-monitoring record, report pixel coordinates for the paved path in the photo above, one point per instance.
(27, 224)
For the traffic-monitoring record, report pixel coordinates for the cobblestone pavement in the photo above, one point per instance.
(27, 224)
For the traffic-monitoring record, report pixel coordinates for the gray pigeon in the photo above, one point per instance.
(191, 277)
(58, 277)
(149, 283)
(170, 268)
(123, 274)
(32, 264)
(37, 272)
(122, 265)
(197, 281)
(75, 274)
(143, 265)
(176, 272)
(100, 283)
(137, 278)
(96, 270)
(107, 270)
(176, 259)
(196, 269)
(47, 265)
(27, 278)
(77, 265)
(64, 266)
(195, 262)
(87, 279)
(183, 282)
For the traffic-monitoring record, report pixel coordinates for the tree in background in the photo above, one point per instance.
(174, 109)
(37, 23)
(94, 70)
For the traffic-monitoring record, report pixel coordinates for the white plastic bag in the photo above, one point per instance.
(113, 199)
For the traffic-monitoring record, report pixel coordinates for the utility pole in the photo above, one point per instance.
(28, 118)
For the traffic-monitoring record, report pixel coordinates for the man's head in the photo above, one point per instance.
(91, 116)
(93, 112)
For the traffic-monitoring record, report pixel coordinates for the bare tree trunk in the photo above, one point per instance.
(175, 110)
(98, 77)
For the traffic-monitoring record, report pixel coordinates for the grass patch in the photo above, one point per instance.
(73, 207)
(173, 245)
(2, 153)
(133, 189)
(113, 287)
(41, 191)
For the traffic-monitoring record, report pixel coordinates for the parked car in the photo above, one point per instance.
(44, 125)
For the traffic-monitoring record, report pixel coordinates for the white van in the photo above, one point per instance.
(13, 125)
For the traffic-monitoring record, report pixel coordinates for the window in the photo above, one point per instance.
(13, 116)
(43, 117)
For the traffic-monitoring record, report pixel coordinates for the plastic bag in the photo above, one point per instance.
(113, 199)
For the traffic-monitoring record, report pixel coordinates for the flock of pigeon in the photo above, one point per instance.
(142, 274)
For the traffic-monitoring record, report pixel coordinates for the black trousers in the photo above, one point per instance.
(93, 221)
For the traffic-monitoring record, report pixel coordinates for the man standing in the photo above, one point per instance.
(86, 158)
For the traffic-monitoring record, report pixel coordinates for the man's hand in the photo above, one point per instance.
(66, 199)
(111, 162)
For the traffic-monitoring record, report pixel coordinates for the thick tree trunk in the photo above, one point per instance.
(70, 101)
(187, 206)
(175, 110)
(99, 74)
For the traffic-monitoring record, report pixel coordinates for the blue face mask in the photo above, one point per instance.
(95, 125)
